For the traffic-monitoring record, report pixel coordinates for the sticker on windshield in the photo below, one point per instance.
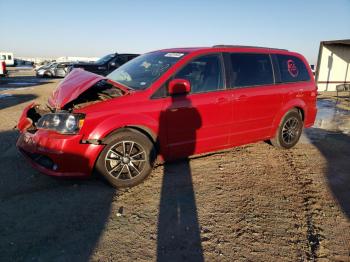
(177, 55)
(292, 68)
(146, 65)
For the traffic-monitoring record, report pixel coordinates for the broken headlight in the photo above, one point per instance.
(64, 123)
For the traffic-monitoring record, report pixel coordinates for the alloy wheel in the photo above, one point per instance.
(290, 130)
(125, 160)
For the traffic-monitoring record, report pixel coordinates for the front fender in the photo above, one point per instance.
(113, 123)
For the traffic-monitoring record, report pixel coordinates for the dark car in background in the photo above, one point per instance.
(53, 70)
(104, 65)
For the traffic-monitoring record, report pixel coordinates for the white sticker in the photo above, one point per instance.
(177, 55)
(145, 64)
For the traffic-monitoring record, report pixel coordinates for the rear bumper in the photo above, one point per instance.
(58, 155)
(310, 117)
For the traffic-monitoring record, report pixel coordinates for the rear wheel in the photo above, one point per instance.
(127, 159)
(289, 130)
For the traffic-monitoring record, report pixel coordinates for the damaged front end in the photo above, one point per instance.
(78, 90)
(49, 134)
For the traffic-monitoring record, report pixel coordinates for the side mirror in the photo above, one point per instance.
(179, 86)
(112, 64)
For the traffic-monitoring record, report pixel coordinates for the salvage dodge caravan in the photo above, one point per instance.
(166, 105)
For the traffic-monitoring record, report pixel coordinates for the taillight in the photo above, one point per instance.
(3, 65)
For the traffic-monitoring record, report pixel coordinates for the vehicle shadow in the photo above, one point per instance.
(178, 227)
(46, 219)
(335, 147)
(8, 100)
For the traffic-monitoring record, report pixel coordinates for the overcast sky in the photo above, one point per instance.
(95, 28)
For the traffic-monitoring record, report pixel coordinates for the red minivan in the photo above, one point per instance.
(168, 104)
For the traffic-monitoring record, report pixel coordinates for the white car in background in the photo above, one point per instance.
(53, 70)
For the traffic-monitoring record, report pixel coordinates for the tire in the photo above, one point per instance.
(288, 131)
(130, 167)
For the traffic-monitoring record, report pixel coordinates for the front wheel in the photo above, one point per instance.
(127, 159)
(289, 130)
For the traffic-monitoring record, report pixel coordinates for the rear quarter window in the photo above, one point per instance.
(292, 69)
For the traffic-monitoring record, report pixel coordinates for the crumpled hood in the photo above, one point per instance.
(74, 84)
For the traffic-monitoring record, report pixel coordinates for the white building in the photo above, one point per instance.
(333, 67)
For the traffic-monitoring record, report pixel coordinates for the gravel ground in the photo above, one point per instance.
(250, 203)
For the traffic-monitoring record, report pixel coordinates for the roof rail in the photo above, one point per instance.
(246, 46)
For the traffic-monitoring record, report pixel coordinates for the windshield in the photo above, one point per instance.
(104, 59)
(47, 65)
(144, 70)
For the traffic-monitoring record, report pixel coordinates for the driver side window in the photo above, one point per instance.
(204, 73)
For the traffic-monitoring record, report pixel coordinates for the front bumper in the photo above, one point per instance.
(58, 155)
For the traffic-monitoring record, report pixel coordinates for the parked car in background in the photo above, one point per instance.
(170, 103)
(3, 70)
(53, 70)
(8, 58)
(104, 65)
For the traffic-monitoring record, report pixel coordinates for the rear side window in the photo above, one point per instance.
(292, 69)
(251, 69)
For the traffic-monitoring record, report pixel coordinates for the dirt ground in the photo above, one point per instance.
(251, 203)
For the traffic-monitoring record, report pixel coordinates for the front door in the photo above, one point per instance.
(199, 121)
(61, 70)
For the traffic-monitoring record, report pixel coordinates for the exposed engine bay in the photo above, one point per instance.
(100, 91)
